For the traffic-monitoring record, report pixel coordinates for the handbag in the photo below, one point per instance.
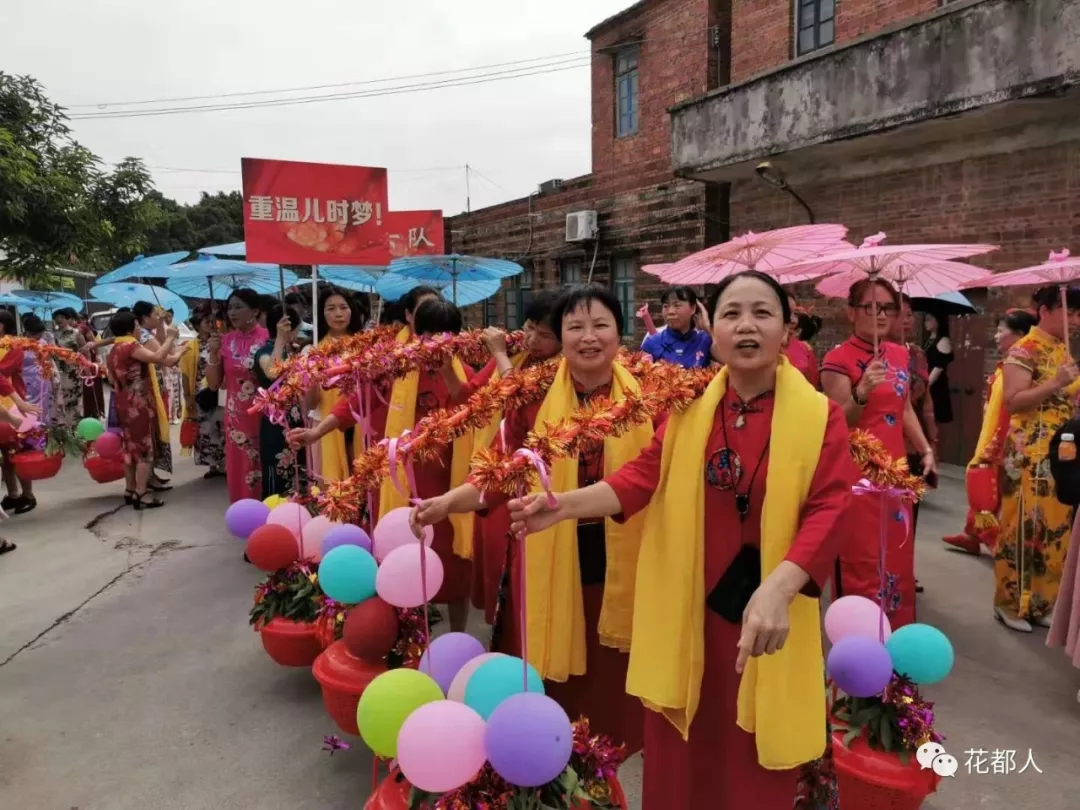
(733, 591)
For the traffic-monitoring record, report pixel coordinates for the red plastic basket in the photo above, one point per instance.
(34, 465)
(105, 470)
(874, 780)
(289, 643)
(343, 679)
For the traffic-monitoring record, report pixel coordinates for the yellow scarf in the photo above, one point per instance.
(483, 437)
(556, 612)
(992, 416)
(781, 696)
(159, 403)
(402, 417)
(7, 403)
(334, 458)
(189, 370)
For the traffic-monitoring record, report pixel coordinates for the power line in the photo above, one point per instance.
(425, 169)
(102, 105)
(555, 67)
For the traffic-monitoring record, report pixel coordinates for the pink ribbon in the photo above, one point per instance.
(91, 375)
(867, 487)
(392, 446)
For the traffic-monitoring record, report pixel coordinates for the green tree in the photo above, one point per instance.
(58, 208)
(216, 219)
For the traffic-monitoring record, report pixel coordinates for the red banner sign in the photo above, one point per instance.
(315, 213)
(415, 233)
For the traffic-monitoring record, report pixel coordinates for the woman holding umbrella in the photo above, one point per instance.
(1038, 377)
(726, 648)
(874, 389)
(282, 466)
(200, 401)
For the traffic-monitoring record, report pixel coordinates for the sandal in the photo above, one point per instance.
(25, 504)
(163, 487)
(6, 546)
(129, 497)
(141, 504)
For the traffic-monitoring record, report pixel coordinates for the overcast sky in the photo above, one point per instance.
(516, 132)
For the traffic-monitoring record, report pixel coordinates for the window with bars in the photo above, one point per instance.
(518, 300)
(570, 272)
(491, 310)
(624, 272)
(814, 25)
(626, 92)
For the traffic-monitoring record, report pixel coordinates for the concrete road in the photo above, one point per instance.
(129, 679)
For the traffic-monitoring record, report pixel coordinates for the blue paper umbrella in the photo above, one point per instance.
(49, 299)
(392, 286)
(233, 250)
(219, 277)
(452, 271)
(126, 294)
(358, 279)
(143, 267)
(24, 303)
(950, 303)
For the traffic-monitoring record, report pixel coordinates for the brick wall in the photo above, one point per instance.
(762, 31)
(1024, 201)
(646, 214)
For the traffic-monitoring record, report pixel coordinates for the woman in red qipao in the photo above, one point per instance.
(735, 552)
(490, 542)
(20, 497)
(875, 394)
(801, 328)
(579, 579)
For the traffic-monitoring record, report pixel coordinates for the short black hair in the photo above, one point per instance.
(274, 314)
(392, 312)
(807, 325)
(32, 324)
(1019, 321)
(142, 309)
(357, 316)
(251, 298)
(122, 323)
(7, 320)
(410, 299)
(436, 316)
(266, 302)
(757, 275)
(583, 295)
(859, 288)
(540, 309)
(1050, 297)
(682, 293)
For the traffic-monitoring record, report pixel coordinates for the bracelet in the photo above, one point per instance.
(855, 398)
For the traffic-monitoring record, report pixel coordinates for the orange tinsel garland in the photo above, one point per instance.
(881, 468)
(44, 352)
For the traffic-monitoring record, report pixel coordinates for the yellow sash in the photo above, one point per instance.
(781, 696)
(189, 369)
(991, 418)
(402, 417)
(555, 608)
(159, 403)
(483, 437)
(7, 403)
(333, 456)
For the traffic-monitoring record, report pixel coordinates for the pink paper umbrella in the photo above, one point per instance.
(1059, 269)
(922, 271)
(767, 252)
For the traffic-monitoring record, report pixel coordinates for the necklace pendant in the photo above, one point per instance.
(740, 420)
(742, 504)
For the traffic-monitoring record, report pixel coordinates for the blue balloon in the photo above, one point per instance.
(347, 574)
(498, 679)
(921, 652)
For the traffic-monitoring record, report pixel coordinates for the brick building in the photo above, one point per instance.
(933, 121)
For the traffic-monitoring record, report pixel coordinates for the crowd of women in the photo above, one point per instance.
(624, 623)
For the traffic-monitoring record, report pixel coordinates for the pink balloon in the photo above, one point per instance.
(108, 445)
(461, 680)
(291, 515)
(313, 534)
(392, 531)
(441, 746)
(399, 580)
(855, 616)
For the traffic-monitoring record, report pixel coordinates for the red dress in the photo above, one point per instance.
(803, 358)
(11, 382)
(718, 768)
(134, 402)
(600, 693)
(883, 417)
(432, 478)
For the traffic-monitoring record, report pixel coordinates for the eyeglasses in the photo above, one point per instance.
(875, 308)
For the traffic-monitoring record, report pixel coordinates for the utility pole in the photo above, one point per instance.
(468, 195)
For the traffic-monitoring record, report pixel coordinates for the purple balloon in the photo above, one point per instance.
(446, 655)
(245, 516)
(345, 535)
(529, 739)
(860, 666)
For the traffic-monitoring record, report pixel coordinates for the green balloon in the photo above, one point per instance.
(387, 701)
(89, 428)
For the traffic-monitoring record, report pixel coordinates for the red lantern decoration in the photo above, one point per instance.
(371, 628)
(189, 432)
(272, 547)
(103, 469)
(983, 491)
(34, 465)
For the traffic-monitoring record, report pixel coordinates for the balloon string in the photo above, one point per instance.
(392, 446)
(883, 531)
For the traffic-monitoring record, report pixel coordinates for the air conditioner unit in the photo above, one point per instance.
(550, 187)
(581, 226)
